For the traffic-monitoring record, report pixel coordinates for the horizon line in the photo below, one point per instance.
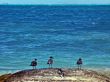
(51, 4)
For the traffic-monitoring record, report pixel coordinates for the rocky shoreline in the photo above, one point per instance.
(55, 75)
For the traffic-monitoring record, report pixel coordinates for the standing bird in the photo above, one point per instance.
(79, 63)
(50, 62)
(34, 63)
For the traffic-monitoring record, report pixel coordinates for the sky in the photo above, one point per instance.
(54, 1)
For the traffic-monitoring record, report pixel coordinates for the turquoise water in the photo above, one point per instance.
(64, 32)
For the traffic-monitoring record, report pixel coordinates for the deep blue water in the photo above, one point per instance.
(64, 32)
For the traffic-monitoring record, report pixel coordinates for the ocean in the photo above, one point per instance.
(64, 32)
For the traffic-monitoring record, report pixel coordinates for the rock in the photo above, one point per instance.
(4, 77)
(57, 75)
